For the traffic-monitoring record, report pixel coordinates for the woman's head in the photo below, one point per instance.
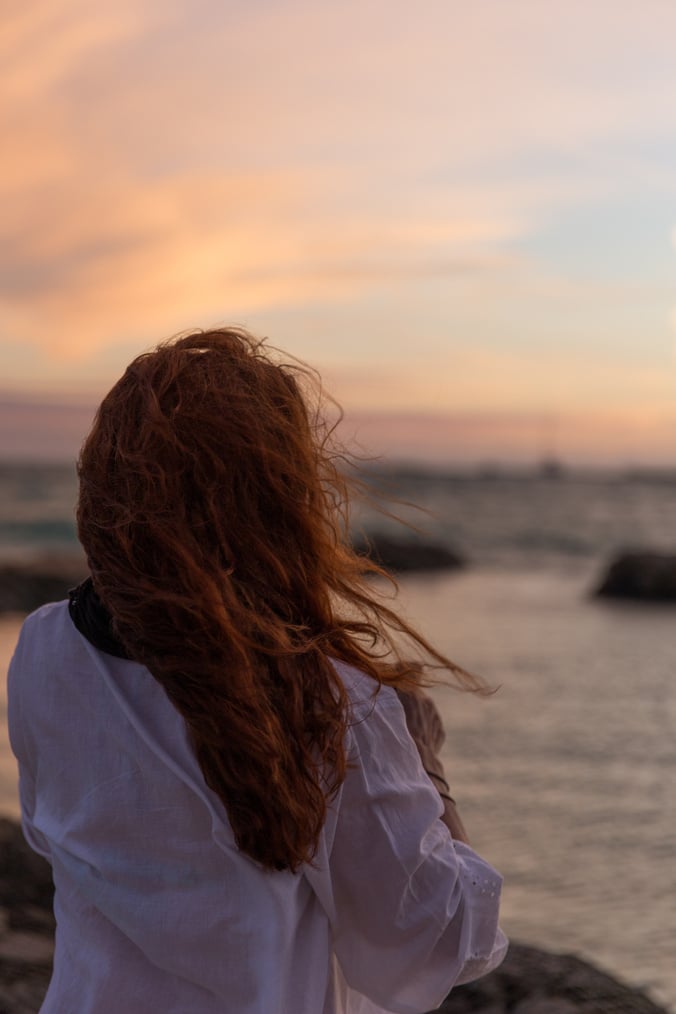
(213, 515)
(204, 459)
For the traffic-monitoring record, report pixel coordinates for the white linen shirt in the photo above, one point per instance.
(157, 909)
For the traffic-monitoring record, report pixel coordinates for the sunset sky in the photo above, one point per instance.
(464, 214)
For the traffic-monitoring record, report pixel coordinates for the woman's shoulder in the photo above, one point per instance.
(48, 624)
(38, 655)
(48, 645)
(366, 695)
(48, 619)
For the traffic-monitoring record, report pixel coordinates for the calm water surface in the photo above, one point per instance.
(567, 775)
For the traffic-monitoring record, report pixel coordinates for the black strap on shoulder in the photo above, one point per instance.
(93, 620)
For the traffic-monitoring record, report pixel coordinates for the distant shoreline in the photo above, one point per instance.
(423, 469)
(29, 580)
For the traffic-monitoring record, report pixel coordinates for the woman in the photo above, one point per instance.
(213, 756)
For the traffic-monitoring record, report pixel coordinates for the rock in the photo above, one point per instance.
(397, 554)
(22, 992)
(25, 877)
(532, 981)
(24, 587)
(645, 576)
(26, 923)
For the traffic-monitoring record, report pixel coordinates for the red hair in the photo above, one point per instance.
(214, 518)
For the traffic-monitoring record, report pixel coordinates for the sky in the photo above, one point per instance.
(463, 214)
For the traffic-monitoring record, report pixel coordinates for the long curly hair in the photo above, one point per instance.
(213, 510)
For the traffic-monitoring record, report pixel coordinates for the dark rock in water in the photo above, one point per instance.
(26, 923)
(529, 981)
(397, 554)
(24, 587)
(647, 576)
(25, 877)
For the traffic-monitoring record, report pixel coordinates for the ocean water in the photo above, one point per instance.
(566, 776)
(36, 511)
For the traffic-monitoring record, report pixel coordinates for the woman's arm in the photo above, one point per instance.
(427, 732)
(412, 912)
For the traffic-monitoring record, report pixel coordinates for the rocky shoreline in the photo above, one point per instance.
(641, 575)
(26, 923)
(27, 585)
(530, 981)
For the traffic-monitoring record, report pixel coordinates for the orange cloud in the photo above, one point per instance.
(128, 258)
(167, 167)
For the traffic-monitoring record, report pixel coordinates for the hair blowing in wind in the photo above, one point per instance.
(213, 513)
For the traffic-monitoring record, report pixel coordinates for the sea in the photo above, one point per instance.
(566, 775)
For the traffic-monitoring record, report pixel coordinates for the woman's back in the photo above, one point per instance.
(157, 908)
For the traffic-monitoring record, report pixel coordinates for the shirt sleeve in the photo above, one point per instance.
(413, 911)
